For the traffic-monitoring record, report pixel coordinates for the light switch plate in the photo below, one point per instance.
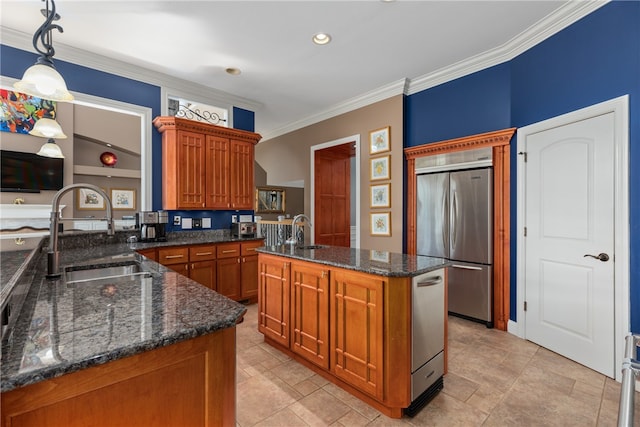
(187, 223)
(206, 222)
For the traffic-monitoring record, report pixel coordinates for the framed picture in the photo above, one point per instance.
(381, 224)
(87, 200)
(270, 200)
(380, 168)
(379, 141)
(379, 256)
(123, 198)
(381, 196)
(22, 111)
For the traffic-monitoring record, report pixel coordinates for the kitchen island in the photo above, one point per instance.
(146, 347)
(349, 315)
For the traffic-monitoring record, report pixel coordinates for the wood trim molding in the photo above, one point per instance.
(164, 123)
(500, 142)
(482, 140)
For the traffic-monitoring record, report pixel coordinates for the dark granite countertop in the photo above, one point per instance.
(382, 263)
(65, 327)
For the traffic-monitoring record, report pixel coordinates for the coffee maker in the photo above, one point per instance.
(153, 225)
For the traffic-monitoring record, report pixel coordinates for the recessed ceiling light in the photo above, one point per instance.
(321, 38)
(233, 71)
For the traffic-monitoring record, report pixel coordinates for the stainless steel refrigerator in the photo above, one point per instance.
(455, 221)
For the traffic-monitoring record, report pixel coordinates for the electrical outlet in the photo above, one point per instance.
(176, 220)
(197, 222)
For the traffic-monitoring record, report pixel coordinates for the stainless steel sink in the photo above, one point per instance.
(312, 247)
(84, 273)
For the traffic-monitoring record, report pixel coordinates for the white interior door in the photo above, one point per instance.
(569, 216)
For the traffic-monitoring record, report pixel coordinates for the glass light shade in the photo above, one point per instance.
(43, 81)
(47, 128)
(51, 149)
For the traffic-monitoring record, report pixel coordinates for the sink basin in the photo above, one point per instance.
(312, 247)
(87, 273)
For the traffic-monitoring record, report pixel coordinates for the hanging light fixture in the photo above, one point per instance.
(48, 127)
(41, 79)
(51, 149)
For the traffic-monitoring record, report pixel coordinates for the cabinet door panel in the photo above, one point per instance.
(204, 272)
(191, 187)
(228, 277)
(249, 280)
(241, 175)
(310, 312)
(357, 330)
(217, 172)
(273, 298)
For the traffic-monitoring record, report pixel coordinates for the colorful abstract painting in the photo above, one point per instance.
(20, 112)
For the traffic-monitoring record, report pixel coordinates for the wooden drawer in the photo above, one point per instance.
(228, 250)
(167, 256)
(202, 253)
(249, 248)
(149, 253)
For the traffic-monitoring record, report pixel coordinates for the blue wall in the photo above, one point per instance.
(97, 83)
(593, 60)
(472, 104)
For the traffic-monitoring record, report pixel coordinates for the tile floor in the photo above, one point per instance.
(494, 379)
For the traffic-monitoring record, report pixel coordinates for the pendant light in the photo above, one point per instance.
(41, 79)
(51, 149)
(47, 128)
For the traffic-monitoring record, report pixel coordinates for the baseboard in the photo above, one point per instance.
(512, 328)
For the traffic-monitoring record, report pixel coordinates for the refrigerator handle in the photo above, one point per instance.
(454, 219)
(445, 222)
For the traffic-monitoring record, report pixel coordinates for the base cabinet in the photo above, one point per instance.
(350, 327)
(309, 312)
(357, 328)
(273, 298)
(191, 383)
(231, 269)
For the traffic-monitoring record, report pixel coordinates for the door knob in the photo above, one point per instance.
(602, 257)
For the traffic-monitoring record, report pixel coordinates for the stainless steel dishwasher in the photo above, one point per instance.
(427, 338)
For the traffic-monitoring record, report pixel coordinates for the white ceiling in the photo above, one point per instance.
(378, 48)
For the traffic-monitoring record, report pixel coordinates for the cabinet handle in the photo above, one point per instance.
(238, 260)
(430, 281)
(203, 253)
(173, 256)
(229, 251)
(324, 273)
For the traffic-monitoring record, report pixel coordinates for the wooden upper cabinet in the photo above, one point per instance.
(218, 175)
(241, 172)
(206, 166)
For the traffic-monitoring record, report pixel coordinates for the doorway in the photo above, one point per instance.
(334, 192)
(573, 290)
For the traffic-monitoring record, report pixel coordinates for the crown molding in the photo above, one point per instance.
(20, 40)
(566, 15)
(398, 87)
(561, 18)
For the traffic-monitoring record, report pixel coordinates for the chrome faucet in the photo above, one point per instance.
(53, 256)
(293, 240)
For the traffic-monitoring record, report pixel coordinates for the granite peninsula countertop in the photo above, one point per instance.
(382, 263)
(65, 327)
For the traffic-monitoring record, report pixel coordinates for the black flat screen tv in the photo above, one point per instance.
(30, 173)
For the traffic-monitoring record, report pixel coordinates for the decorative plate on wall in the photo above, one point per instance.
(108, 159)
